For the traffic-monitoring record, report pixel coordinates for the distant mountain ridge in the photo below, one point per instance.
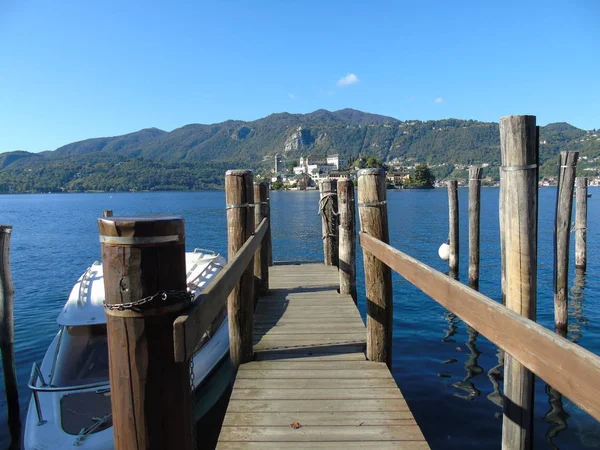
(206, 148)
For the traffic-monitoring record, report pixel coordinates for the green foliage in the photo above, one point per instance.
(421, 176)
(277, 185)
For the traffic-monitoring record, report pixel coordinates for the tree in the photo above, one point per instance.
(422, 176)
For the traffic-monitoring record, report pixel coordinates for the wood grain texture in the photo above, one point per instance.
(564, 207)
(311, 369)
(239, 196)
(453, 229)
(474, 224)
(261, 257)
(329, 229)
(7, 336)
(581, 223)
(146, 415)
(372, 208)
(347, 238)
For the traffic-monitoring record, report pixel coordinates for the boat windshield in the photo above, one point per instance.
(82, 356)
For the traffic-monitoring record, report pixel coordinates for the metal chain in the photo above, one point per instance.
(160, 295)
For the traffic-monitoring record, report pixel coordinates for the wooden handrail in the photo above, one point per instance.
(189, 327)
(567, 367)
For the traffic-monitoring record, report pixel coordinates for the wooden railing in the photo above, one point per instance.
(566, 366)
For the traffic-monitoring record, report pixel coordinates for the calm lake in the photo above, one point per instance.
(448, 373)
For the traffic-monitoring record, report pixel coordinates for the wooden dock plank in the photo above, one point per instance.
(310, 369)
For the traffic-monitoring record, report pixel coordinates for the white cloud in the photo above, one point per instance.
(439, 100)
(347, 80)
(292, 96)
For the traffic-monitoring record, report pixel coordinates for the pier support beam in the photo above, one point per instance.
(372, 210)
(474, 222)
(239, 196)
(347, 237)
(581, 223)
(453, 227)
(519, 219)
(261, 258)
(562, 237)
(143, 259)
(328, 210)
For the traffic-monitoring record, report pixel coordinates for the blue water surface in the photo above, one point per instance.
(448, 373)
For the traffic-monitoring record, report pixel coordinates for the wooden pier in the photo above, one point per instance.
(310, 385)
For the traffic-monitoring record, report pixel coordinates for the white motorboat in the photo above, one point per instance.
(70, 401)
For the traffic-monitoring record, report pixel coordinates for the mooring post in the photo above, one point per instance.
(519, 217)
(239, 196)
(474, 222)
(372, 210)
(268, 236)
(261, 257)
(581, 223)
(7, 337)
(143, 260)
(328, 210)
(562, 236)
(107, 213)
(453, 230)
(347, 237)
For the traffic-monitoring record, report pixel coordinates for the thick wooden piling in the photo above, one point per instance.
(453, 227)
(261, 258)
(328, 211)
(347, 237)
(562, 236)
(7, 337)
(474, 222)
(372, 209)
(519, 219)
(268, 237)
(581, 223)
(239, 196)
(145, 291)
(107, 213)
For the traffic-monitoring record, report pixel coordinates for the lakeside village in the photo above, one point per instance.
(307, 172)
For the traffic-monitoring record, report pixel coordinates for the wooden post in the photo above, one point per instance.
(143, 259)
(268, 236)
(474, 221)
(519, 217)
(107, 213)
(453, 230)
(261, 258)
(328, 211)
(581, 223)
(372, 209)
(7, 337)
(347, 237)
(239, 195)
(562, 236)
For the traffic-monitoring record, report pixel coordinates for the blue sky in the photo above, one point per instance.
(75, 69)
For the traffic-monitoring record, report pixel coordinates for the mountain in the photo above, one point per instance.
(195, 156)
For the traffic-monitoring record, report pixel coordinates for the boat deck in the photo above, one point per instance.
(310, 385)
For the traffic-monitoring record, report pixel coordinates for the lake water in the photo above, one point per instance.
(448, 374)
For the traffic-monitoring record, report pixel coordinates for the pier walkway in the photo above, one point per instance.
(310, 385)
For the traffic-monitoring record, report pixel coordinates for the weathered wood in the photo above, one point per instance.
(261, 257)
(453, 236)
(372, 210)
(239, 196)
(144, 257)
(319, 419)
(107, 213)
(7, 337)
(549, 356)
(269, 238)
(347, 238)
(190, 326)
(581, 223)
(562, 237)
(339, 445)
(372, 405)
(474, 222)
(328, 210)
(519, 164)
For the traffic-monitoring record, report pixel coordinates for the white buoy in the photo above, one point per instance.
(444, 251)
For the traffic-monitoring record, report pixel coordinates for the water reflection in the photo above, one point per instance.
(556, 416)
(495, 375)
(472, 367)
(576, 313)
(452, 320)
